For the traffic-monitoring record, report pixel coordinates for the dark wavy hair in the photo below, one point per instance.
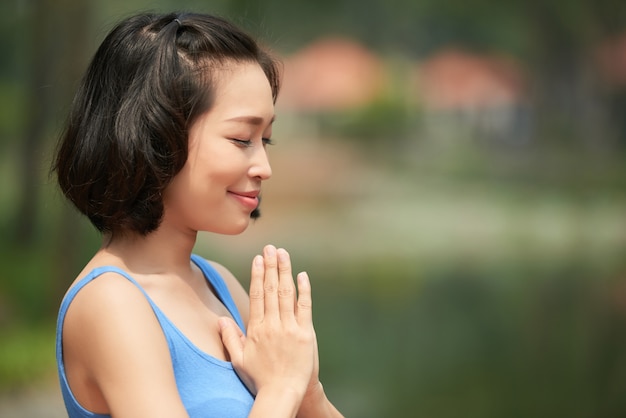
(127, 130)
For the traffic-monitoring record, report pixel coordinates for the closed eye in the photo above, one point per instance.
(245, 143)
(241, 142)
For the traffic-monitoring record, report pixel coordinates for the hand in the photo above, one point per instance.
(280, 350)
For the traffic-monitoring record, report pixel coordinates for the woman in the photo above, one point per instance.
(166, 137)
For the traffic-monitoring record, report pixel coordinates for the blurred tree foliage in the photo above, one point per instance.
(49, 43)
(555, 41)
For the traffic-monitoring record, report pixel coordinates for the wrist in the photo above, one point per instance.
(285, 390)
(315, 392)
(314, 401)
(276, 401)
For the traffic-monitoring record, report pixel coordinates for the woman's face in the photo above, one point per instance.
(218, 187)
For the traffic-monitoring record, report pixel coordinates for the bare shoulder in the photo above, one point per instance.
(104, 315)
(104, 299)
(239, 294)
(113, 345)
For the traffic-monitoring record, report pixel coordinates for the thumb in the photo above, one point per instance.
(232, 338)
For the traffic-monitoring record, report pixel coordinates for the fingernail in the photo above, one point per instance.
(270, 250)
(302, 278)
(258, 260)
(283, 257)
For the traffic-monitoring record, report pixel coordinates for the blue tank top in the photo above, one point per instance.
(208, 387)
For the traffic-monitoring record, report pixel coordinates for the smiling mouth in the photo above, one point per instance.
(248, 200)
(252, 194)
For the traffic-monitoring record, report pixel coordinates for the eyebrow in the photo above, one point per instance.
(252, 120)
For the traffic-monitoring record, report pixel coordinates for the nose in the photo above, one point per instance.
(260, 167)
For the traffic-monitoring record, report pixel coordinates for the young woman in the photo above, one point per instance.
(167, 137)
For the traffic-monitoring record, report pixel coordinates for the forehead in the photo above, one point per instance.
(243, 88)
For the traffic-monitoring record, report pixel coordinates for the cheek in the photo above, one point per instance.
(221, 166)
(202, 181)
(211, 168)
(211, 157)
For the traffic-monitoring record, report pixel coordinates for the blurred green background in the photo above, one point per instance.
(450, 173)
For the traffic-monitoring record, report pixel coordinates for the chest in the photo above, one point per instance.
(194, 311)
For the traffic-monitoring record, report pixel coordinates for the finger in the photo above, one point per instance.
(257, 304)
(286, 288)
(270, 282)
(232, 338)
(304, 313)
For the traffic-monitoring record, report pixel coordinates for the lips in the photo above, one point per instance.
(251, 194)
(250, 199)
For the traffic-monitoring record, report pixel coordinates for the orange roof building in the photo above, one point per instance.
(331, 74)
(453, 79)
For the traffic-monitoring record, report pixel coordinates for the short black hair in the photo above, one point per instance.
(126, 135)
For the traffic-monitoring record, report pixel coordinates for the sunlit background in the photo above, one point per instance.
(450, 173)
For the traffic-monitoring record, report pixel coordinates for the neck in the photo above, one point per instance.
(164, 250)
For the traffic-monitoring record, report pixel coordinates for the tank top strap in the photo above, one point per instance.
(94, 274)
(221, 289)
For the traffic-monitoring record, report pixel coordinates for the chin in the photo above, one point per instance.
(236, 232)
(239, 226)
(236, 228)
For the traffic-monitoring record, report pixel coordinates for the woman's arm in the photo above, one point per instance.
(116, 355)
